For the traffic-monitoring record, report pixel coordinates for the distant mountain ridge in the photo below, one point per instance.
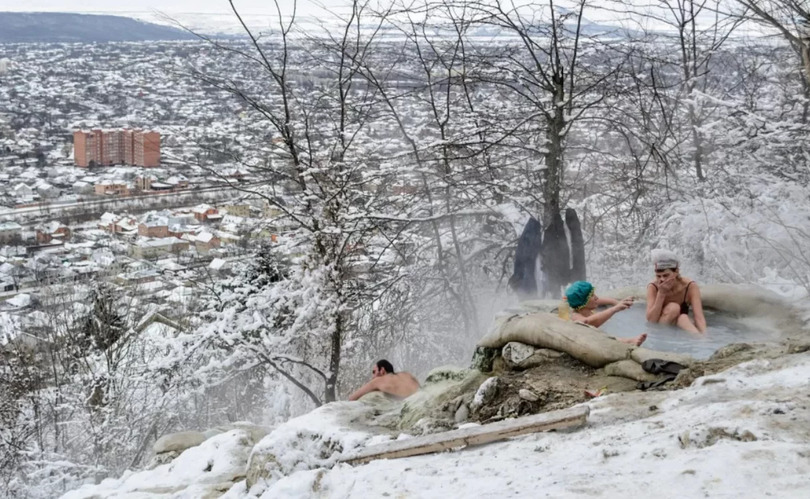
(33, 27)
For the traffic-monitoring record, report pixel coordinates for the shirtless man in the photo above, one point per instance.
(583, 301)
(384, 379)
(671, 295)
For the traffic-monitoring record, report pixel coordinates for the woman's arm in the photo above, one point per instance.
(606, 301)
(655, 303)
(598, 318)
(697, 307)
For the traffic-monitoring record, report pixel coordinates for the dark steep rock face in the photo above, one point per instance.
(561, 264)
(524, 279)
(57, 27)
(555, 257)
(577, 246)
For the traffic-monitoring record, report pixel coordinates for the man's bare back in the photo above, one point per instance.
(400, 385)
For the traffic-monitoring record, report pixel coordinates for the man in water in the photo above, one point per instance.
(583, 301)
(384, 379)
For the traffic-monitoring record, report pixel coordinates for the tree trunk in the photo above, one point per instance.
(330, 392)
(805, 50)
(552, 181)
(697, 143)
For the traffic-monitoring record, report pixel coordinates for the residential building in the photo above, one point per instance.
(112, 147)
(144, 182)
(128, 146)
(10, 232)
(112, 188)
(154, 228)
(270, 210)
(153, 248)
(52, 230)
(205, 241)
(146, 148)
(118, 224)
(205, 212)
(239, 210)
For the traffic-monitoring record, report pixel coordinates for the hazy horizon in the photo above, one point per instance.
(246, 7)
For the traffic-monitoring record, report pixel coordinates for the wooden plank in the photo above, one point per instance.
(439, 442)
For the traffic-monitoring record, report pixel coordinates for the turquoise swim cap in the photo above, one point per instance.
(579, 294)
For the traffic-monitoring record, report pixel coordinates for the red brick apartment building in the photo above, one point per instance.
(111, 147)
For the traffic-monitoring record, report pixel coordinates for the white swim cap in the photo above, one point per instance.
(664, 259)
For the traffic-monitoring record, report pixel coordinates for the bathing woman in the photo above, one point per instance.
(583, 301)
(670, 295)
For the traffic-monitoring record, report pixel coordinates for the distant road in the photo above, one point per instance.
(58, 208)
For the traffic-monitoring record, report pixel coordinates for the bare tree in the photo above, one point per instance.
(698, 30)
(791, 19)
(318, 179)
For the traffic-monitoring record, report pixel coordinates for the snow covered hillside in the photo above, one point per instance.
(740, 433)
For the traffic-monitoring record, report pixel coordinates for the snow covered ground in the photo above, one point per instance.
(739, 433)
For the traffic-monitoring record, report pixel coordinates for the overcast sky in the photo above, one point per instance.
(146, 9)
(175, 6)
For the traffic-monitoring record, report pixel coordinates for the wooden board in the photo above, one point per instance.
(439, 442)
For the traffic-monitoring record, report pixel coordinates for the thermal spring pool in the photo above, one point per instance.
(722, 329)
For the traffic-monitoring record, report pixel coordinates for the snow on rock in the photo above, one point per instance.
(178, 441)
(207, 470)
(738, 433)
(485, 392)
(315, 440)
(744, 436)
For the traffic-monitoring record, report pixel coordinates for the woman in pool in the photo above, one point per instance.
(583, 301)
(670, 295)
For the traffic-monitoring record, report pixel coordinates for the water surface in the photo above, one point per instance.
(721, 330)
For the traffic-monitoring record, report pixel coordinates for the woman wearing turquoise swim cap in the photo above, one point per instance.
(583, 301)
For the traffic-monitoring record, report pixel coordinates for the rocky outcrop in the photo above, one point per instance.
(178, 442)
(170, 446)
(319, 439)
(205, 471)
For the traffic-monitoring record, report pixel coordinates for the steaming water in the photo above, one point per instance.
(721, 330)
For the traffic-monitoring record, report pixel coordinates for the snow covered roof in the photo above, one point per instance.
(205, 237)
(157, 242)
(51, 226)
(202, 208)
(218, 264)
(153, 221)
(228, 236)
(20, 301)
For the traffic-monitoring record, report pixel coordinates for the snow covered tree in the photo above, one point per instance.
(322, 181)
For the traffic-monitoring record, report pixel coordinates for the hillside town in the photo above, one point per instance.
(107, 171)
(296, 261)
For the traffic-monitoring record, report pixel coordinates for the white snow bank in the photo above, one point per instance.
(219, 460)
(315, 440)
(739, 433)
